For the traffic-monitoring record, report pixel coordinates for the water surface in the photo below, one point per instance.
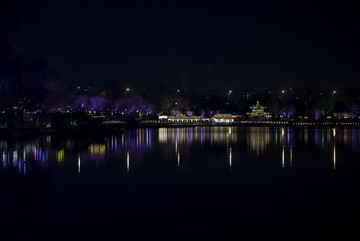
(183, 184)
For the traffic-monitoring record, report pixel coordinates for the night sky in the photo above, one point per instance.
(257, 44)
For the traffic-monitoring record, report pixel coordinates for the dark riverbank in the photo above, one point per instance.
(103, 129)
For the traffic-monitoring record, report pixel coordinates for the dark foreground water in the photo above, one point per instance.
(231, 183)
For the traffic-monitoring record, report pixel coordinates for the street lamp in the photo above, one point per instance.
(126, 91)
(230, 91)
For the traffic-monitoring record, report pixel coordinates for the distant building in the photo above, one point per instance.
(342, 115)
(258, 112)
(217, 119)
(223, 118)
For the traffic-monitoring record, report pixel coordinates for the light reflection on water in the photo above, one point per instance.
(231, 144)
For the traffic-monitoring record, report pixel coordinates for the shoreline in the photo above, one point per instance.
(121, 128)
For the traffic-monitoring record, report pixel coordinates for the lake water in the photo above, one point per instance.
(196, 183)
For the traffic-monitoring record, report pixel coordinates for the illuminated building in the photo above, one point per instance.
(258, 112)
(342, 115)
(184, 119)
(223, 118)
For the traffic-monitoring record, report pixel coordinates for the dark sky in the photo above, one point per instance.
(256, 44)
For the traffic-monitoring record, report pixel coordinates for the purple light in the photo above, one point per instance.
(353, 109)
(288, 111)
(175, 112)
(317, 113)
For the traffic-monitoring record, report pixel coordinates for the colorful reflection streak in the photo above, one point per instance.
(288, 147)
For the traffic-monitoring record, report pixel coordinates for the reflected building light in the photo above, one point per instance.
(45, 156)
(229, 130)
(59, 155)
(353, 139)
(127, 161)
(202, 136)
(288, 136)
(230, 159)
(24, 168)
(291, 155)
(97, 150)
(3, 145)
(334, 132)
(3, 159)
(20, 164)
(178, 135)
(137, 139)
(79, 163)
(283, 156)
(306, 136)
(258, 140)
(162, 135)
(176, 146)
(178, 159)
(147, 137)
(334, 157)
(15, 158)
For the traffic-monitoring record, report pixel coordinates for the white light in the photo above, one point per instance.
(283, 157)
(128, 161)
(230, 158)
(79, 163)
(334, 157)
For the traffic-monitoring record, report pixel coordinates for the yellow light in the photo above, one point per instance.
(178, 159)
(59, 155)
(127, 89)
(178, 91)
(283, 91)
(97, 149)
(334, 92)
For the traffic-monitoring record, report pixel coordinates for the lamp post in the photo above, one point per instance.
(126, 91)
(333, 93)
(230, 91)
